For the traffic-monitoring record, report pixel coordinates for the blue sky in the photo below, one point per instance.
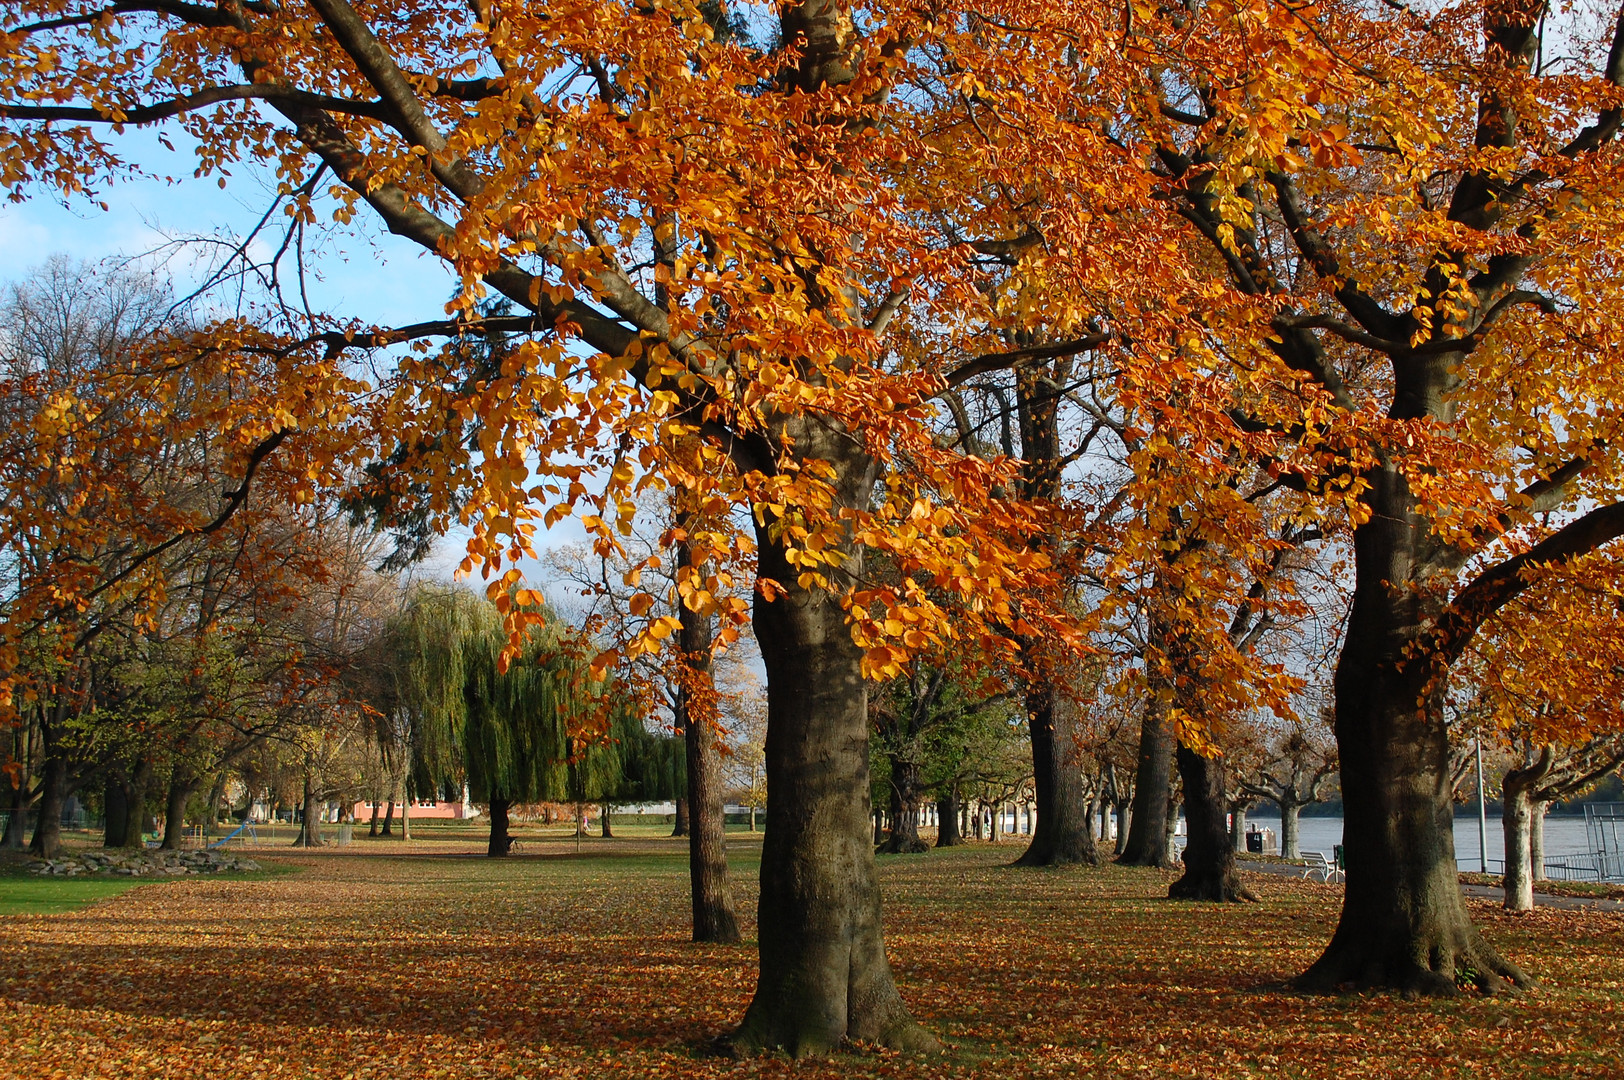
(362, 272)
(358, 271)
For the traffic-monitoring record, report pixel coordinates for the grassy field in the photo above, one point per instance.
(386, 959)
(25, 894)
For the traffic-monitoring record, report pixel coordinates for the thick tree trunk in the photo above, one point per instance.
(1147, 843)
(903, 838)
(947, 822)
(679, 826)
(372, 827)
(1536, 840)
(501, 842)
(181, 786)
(1237, 825)
(1170, 828)
(135, 820)
(1517, 820)
(211, 809)
(1209, 856)
(1124, 817)
(1403, 923)
(406, 817)
(706, 817)
(1290, 820)
(16, 786)
(310, 825)
(714, 918)
(16, 837)
(53, 796)
(823, 975)
(389, 820)
(1064, 835)
(604, 826)
(115, 807)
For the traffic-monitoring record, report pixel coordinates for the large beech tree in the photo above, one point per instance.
(764, 249)
(1431, 253)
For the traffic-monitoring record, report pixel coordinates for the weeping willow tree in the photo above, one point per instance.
(540, 730)
(630, 765)
(515, 737)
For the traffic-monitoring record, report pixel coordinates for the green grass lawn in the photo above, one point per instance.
(27, 894)
(424, 959)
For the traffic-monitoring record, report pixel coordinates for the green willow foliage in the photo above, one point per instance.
(515, 734)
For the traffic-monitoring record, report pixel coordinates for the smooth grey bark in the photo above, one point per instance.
(1536, 840)
(1237, 824)
(1516, 821)
(1290, 830)
(1295, 778)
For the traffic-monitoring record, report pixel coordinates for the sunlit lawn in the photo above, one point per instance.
(389, 960)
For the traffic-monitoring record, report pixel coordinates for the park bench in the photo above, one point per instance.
(1319, 868)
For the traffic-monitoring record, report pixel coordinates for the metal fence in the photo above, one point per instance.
(1604, 823)
(1578, 867)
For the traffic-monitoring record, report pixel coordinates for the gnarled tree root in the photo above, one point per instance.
(1213, 888)
(755, 1037)
(898, 846)
(1045, 851)
(1437, 971)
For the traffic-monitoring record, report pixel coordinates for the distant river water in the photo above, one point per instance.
(1564, 835)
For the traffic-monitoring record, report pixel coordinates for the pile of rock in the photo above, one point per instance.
(144, 863)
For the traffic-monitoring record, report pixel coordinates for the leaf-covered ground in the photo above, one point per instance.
(388, 961)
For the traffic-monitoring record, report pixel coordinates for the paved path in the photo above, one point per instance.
(1477, 892)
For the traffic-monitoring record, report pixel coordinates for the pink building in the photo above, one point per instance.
(461, 810)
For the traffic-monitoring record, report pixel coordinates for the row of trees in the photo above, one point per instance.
(156, 661)
(1068, 337)
(267, 657)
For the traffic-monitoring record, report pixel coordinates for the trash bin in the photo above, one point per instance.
(1254, 843)
(1336, 856)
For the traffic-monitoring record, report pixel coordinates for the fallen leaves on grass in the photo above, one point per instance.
(436, 966)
